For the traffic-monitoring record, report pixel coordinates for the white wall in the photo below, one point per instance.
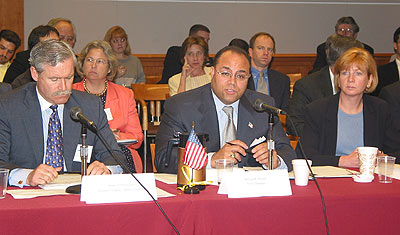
(298, 27)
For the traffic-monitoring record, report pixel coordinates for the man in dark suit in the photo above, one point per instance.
(263, 79)
(36, 120)
(207, 107)
(389, 73)
(345, 26)
(173, 59)
(319, 84)
(391, 94)
(21, 64)
(9, 43)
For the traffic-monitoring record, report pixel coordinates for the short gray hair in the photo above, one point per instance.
(50, 52)
(337, 44)
(55, 21)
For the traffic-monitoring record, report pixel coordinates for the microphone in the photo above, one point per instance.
(260, 106)
(77, 115)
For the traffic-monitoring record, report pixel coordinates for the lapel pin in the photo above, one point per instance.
(250, 125)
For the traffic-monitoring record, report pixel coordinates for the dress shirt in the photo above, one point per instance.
(256, 75)
(332, 81)
(3, 70)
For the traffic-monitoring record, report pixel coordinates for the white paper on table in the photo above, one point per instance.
(329, 172)
(166, 178)
(63, 181)
(240, 184)
(32, 193)
(212, 176)
(117, 188)
(163, 193)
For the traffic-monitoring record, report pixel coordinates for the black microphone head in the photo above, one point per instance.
(258, 105)
(75, 111)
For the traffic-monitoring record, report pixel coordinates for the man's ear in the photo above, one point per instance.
(34, 73)
(212, 71)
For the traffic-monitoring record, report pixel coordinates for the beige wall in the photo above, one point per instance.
(154, 26)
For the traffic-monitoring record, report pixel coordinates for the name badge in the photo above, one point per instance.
(108, 114)
(77, 156)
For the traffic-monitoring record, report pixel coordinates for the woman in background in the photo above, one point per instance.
(130, 69)
(97, 65)
(194, 73)
(335, 126)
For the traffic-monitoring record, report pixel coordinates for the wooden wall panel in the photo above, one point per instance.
(12, 18)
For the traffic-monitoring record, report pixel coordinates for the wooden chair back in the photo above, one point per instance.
(293, 78)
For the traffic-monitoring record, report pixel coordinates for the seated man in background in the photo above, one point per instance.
(9, 43)
(20, 64)
(173, 63)
(38, 137)
(263, 79)
(345, 26)
(65, 28)
(223, 110)
(319, 84)
(391, 94)
(389, 73)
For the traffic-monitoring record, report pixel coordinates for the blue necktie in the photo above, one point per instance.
(54, 149)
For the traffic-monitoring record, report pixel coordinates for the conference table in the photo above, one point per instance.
(352, 208)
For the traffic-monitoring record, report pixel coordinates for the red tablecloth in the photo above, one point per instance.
(352, 208)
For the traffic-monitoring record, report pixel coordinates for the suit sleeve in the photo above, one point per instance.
(5, 141)
(320, 60)
(286, 94)
(296, 108)
(17, 67)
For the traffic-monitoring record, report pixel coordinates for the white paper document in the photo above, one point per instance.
(329, 172)
(240, 184)
(166, 178)
(117, 188)
(63, 181)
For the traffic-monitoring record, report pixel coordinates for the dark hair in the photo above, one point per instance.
(196, 28)
(10, 36)
(233, 49)
(239, 43)
(337, 44)
(194, 40)
(396, 35)
(347, 20)
(39, 32)
(255, 36)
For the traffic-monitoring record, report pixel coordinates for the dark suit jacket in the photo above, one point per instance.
(306, 90)
(21, 134)
(391, 94)
(4, 87)
(320, 131)
(387, 74)
(198, 106)
(19, 65)
(26, 77)
(279, 87)
(320, 61)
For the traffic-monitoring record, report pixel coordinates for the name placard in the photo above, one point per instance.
(240, 184)
(117, 188)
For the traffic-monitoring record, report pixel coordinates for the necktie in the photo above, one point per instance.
(54, 149)
(230, 129)
(262, 85)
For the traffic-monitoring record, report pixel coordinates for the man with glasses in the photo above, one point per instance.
(224, 110)
(264, 79)
(345, 26)
(65, 28)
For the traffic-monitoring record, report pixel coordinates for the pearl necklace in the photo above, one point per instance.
(100, 94)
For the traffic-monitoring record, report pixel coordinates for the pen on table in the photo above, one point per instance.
(246, 150)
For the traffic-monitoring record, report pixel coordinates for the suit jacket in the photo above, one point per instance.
(125, 118)
(19, 65)
(320, 61)
(306, 90)
(387, 74)
(4, 87)
(198, 106)
(391, 94)
(26, 77)
(279, 87)
(21, 138)
(320, 131)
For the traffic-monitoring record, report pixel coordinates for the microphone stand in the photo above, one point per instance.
(270, 139)
(84, 150)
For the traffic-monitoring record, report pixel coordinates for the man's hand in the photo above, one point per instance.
(230, 151)
(97, 168)
(350, 160)
(43, 174)
(261, 154)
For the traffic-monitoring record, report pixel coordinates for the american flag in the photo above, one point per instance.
(195, 155)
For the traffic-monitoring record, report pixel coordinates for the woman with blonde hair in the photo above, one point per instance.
(130, 69)
(335, 126)
(97, 65)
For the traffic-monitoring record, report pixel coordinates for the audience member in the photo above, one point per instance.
(336, 125)
(21, 64)
(391, 94)
(65, 28)
(39, 138)
(224, 111)
(389, 73)
(239, 43)
(345, 26)
(9, 43)
(130, 69)
(272, 83)
(194, 73)
(97, 64)
(173, 63)
(319, 84)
